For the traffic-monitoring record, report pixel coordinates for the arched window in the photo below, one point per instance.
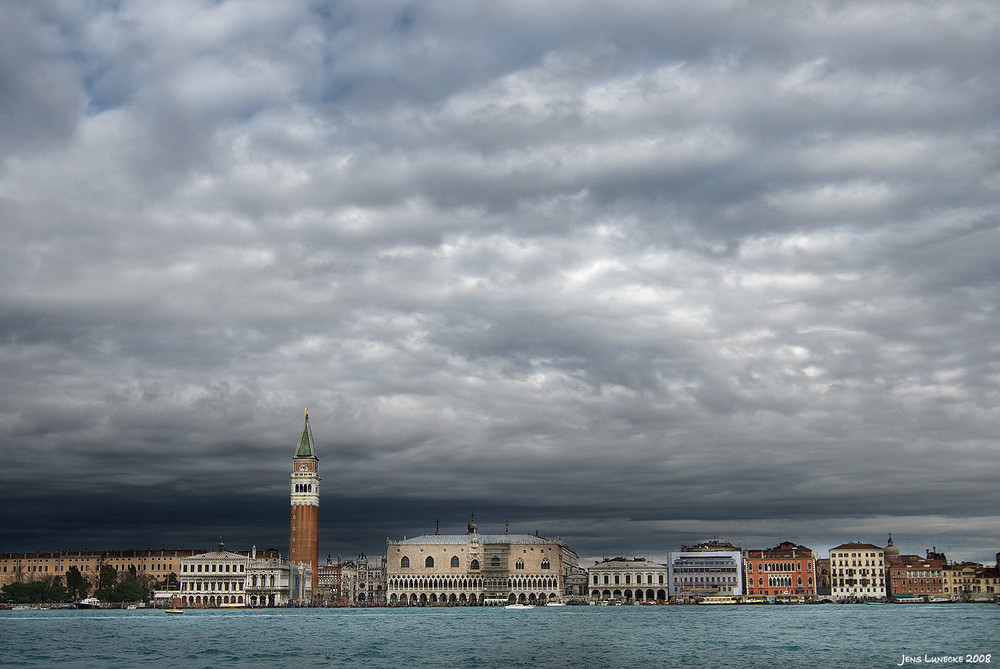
(474, 564)
(519, 564)
(495, 561)
(545, 563)
(429, 562)
(405, 562)
(454, 560)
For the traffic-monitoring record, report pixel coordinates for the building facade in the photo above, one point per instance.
(624, 580)
(912, 576)
(477, 569)
(857, 572)
(303, 544)
(224, 578)
(788, 569)
(161, 566)
(212, 579)
(712, 568)
(971, 581)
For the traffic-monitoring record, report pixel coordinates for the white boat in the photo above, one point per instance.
(89, 603)
(520, 606)
(555, 604)
(174, 611)
(718, 599)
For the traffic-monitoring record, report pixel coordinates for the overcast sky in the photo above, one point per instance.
(637, 274)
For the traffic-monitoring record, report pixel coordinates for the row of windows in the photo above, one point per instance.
(404, 563)
(82, 568)
(303, 487)
(184, 568)
(856, 563)
(536, 583)
(212, 585)
(628, 578)
(779, 566)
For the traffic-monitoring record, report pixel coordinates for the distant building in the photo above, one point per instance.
(627, 580)
(971, 581)
(857, 572)
(274, 581)
(576, 586)
(476, 569)
(823, 579)
(707, 569)
(913, 576)
(228, 578)
(158, 566)
(786, 569)
(331, 581)
(304, 522)
(213, 579)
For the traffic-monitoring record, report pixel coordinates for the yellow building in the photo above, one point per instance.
(37, 566)
(972, 581)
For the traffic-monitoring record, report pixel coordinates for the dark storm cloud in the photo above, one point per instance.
(635, 278)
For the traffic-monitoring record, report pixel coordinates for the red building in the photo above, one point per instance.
(304, 534)
(912, 576)
(786, 569)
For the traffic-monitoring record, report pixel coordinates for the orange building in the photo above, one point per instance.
(786, 569)
(304, 533)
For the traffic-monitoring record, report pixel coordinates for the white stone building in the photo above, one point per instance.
(857, 572)
(712, 568)
(215, 578)
(224, 578)
(620, 579)
(477, 569)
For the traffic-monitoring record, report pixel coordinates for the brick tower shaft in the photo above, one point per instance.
(304, 517)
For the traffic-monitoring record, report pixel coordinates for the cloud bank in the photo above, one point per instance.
(634, 276)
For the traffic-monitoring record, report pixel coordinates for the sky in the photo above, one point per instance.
(635, 275)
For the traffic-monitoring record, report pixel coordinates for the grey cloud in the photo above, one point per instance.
(634, 278)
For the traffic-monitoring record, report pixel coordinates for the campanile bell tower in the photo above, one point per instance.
(304, 535)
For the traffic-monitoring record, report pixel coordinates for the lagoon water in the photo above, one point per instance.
(626, 636)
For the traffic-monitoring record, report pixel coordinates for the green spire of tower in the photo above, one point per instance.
(306, 449)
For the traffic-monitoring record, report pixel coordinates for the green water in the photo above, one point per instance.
(664, 636)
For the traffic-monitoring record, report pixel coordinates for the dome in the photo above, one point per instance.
(891, 551)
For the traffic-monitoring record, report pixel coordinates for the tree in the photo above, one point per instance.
(34, 592)
(77, 585)
(107, 577)
(56, 591)
(127, 591)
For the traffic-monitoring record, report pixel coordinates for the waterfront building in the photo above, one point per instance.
(473, 569)
(823, 580)
(972, 581)
(271, 580)
(910, 576)
(303, 543)
(353, 583)
(369, 584)
(707, 569)
(230, 578)
(332, 577)
(213, 579)
(576, 585)
(624, 580)
(857, 572)
(159, 567)
(787, 569)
